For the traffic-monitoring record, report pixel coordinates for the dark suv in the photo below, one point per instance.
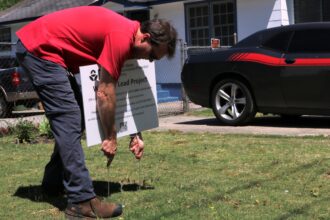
(283, 70)
(15, 87)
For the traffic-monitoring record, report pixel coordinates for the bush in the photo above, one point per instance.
(44, 129)
(24, 131)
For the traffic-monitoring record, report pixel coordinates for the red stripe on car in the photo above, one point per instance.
(275, 61)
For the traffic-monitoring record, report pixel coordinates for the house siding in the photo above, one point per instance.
(279, 14)
(169, 70)
(255, 15)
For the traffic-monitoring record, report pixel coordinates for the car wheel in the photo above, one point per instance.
(4, 107)
(232, 102)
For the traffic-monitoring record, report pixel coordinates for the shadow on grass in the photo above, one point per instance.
(36, 194)
(303, 210)
(257, 183)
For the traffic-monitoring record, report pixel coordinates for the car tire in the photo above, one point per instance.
(4, 107)
(232, 102)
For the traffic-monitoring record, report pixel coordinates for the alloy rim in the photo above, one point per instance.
(230, 101)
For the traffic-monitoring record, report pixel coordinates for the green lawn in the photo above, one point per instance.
(188, 176)
(203, 112)
(207, 112)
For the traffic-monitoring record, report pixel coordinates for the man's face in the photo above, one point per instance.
(157, 52)
(144, 49)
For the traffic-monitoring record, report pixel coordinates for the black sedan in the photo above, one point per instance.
(283, 70)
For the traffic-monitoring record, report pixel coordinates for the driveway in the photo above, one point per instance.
(271, 125)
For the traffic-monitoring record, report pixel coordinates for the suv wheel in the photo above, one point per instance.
(232, 102)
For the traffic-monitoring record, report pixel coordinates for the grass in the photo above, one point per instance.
(204, 176)
(203, 112)
(4, 4)
(207, 112)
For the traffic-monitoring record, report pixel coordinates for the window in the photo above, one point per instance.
(208, 20)
(311, 10)
(198, 25)
(139, 15)
(223, 22)
(310, 41)
(5, 39)
(278, 42)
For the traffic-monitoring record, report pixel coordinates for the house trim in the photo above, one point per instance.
(18, 21)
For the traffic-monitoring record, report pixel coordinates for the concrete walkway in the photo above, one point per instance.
(304, 126)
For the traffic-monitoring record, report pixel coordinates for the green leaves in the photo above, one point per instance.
(44, 128)
(4, 4)
(25, 131)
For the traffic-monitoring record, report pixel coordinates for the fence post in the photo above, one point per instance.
(185, 99)
(235, 38)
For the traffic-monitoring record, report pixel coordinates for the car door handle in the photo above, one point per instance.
(290, 60)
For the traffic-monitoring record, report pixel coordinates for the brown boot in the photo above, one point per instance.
(91, 209)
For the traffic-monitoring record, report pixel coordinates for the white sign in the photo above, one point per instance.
(136, 108)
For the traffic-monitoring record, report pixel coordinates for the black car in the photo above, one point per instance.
(283, 70)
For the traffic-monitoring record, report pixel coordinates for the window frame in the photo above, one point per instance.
(140, 15)
(188, 7)
(226, 24)
(211, 27)
(321, 12)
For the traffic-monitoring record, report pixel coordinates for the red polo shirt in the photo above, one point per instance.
(81, 36)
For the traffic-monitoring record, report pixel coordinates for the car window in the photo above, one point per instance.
(310, 41)
(278, 42)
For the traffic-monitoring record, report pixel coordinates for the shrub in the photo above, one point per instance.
(24, 131)
(44, 128)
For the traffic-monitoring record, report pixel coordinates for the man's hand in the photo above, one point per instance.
(136, 146)
(109, 148)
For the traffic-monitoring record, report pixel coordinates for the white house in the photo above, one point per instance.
(197, 21)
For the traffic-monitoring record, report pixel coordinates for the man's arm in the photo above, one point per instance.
(106, 104)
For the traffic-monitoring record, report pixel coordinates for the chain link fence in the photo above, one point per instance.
(181, 103)
(17, 95)
(18, 98)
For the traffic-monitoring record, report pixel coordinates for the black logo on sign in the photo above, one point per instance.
(93, 76)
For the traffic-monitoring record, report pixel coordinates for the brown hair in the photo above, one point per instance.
(161, 32)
